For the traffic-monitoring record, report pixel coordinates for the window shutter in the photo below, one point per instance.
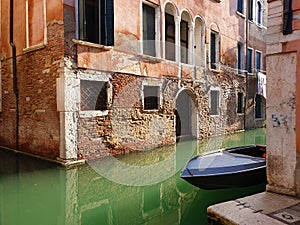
(250, 10)
(287, 17)
(109, 23)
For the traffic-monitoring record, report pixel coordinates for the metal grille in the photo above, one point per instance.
(93, 95)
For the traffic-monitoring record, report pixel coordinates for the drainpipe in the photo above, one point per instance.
(246, 64)
(14, 67)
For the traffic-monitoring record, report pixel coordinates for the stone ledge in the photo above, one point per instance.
(252, 210)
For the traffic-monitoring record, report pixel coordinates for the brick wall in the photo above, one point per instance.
(39, 119)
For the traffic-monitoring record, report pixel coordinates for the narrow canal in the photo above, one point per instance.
(35, 192)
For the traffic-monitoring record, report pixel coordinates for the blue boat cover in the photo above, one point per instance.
(223, 162)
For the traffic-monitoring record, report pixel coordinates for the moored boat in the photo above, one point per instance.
(227, 168)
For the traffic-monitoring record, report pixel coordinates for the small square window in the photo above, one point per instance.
(151, 97)
(93, 95)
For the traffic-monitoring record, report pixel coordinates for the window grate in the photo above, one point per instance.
(93, 95)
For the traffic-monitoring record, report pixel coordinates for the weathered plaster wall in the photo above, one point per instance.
(281, 135)
(283, 102)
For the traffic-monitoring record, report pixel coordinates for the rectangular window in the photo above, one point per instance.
(259, 13)
(170, 36)
(36, 33)
(240, 6)
(250, 60)
(250, 10)
(214, 102)
(96, 21)
(93, 95)
(151, 97)
(287, 17)
(259, 110)
(240, 102)
(240, 59)
(184, 40)
(213, 50)
(149, 30)
(258, 61)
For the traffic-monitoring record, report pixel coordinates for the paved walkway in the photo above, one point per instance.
(260, 209)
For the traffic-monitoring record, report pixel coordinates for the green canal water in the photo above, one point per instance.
(147, 190)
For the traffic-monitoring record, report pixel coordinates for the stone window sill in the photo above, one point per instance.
(91, 114)
(34, 48)
(89, 44)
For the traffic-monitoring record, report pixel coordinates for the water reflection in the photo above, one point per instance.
(37, 192)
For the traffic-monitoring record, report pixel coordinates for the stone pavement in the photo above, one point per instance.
(260, 209)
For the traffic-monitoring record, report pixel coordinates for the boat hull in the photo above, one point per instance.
(227, 168)
(242, 179)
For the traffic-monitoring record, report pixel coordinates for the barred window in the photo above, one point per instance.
(93, 95)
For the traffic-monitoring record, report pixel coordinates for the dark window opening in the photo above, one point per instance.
(259, 112)
(250, 10)
(249, 60)
(240, 58)
(148, 30)
(151, 97)
(213, 50)
(214, 102)
(287, 17)
(96, 21)
(240, 6)
(170, 37)
(240, 102)
(93, 95)
(184, 40)
(259, 13)
(258, 61)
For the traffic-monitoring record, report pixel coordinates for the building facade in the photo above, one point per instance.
(89, 78)
(283, 67)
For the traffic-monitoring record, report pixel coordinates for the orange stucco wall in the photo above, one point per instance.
(54, 13)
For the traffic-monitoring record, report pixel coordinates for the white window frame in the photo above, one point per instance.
(261, 60)
(157, 29)
(252, 57)
(199, 42)
(217, 48)
(40, 45)
(240, 71)
(257, 14)
(156, 83)
(102, 77)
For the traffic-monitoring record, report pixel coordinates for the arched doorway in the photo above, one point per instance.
(186, 115)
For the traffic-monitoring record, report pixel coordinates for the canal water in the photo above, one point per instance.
(146, 191)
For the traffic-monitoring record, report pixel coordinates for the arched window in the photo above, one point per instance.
(170, 34)
(259, 13)
(214, 46)
(185, 37)
(199, 37)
